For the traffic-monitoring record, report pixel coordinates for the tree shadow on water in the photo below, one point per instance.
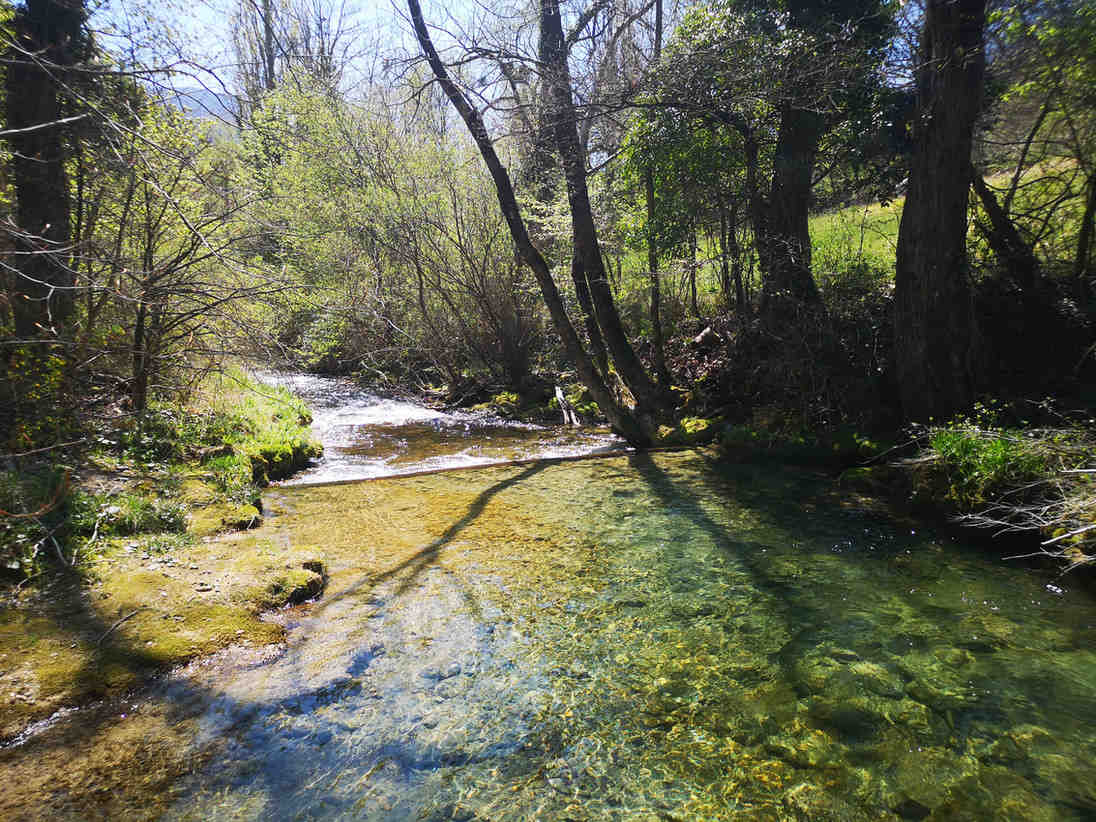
(422, 560)
(281, 764)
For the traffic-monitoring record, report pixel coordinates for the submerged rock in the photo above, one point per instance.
(294, 586)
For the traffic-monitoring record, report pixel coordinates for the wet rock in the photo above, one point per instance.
(841, 672)
(213, 519)
(877, 679)
(986, 632)
(815, 749)
(294, 586)
(811, 803)
(854, 718)
(938, 679)
(927, 777)
(436, 673)
(940, 693)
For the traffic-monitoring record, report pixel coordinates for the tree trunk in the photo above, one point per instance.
(1004, 238)
(589, 318)
(741, 303)
(1081, 270)
(558, 79)
(934, 324)
(658, 348)
(537, 173)
(692, 271)
(46, 35)
(622, 421)
(784, 243)
(268, 46)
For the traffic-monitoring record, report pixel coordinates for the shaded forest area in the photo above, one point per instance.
(678, 211)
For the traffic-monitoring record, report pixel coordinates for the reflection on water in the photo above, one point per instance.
(634, 638)
(366, 435)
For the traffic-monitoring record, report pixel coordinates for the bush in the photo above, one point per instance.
(33, 507)
(1017, 479)
(125, 514)
(982, 464)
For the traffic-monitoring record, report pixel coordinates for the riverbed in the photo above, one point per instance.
(630, 637)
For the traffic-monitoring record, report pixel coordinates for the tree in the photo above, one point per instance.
(934, 325)
(783, 75)
(557, 78)
(48, 38)
(1044, 127)
(304, 42)
(624, 422)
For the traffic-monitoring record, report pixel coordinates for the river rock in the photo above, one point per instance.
(812, 803)
(927, 777)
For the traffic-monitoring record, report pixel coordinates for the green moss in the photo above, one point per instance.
(219, 517)
(292, 587)
(272, 461)
(690, 431)
(139, 614)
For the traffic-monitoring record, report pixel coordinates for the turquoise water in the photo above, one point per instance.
(648, 637)
(652, 637)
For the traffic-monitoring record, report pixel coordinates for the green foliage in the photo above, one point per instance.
(33, 391)
(34, 505)
(269, 431)
(126, 513)
(1015, 478)
(855, 236)
(232, 474)
(981, 464)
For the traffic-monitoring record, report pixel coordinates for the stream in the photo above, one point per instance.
(634, 637)
(366, 435)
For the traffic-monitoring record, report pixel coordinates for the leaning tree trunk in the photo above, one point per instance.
(1081, 271)
(658, 347)
(1009, 246)
(625, 423)
(933, 318)
(46, 33)
(557, 77)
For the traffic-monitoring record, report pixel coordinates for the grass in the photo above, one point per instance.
(271, 430)
(855, 235)
(196, 464)
(1016, 480)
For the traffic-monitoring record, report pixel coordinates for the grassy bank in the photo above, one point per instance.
(115, 564)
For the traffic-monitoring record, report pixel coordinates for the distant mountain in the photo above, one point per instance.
(203, 104)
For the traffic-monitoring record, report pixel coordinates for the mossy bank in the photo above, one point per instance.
(141, 577)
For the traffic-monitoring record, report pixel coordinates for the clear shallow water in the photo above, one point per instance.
(633, 638)
(630, 638)
(366, 435)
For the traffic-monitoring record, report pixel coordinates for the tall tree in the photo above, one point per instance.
(623, 421)
(583, 228)
(657, 345)
(783, 75)
(934, 324)
(49, 38)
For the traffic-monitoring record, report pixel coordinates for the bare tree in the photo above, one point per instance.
(301, 41)
(622, 420)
